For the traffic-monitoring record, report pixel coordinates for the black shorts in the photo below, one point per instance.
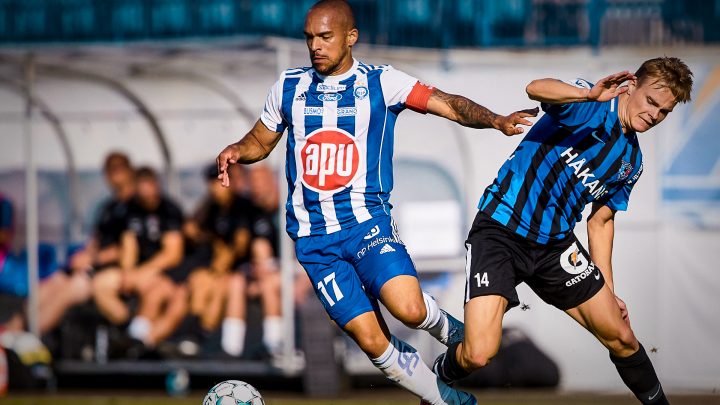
(560, 273)
(198, 258)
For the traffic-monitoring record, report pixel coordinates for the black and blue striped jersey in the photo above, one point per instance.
(575, 154)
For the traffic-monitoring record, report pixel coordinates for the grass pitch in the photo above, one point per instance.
(357, 397)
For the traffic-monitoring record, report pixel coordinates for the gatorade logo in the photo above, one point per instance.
(330, 160)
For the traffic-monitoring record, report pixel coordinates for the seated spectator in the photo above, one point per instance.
(57, 292)
(102, 250)
(151, 248)
(222, 223)
(263, 275)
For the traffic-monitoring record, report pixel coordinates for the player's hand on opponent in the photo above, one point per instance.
(623, 310)
(228, 156)
(608, 88)
(507, 124)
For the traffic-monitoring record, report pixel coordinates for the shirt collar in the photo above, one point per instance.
(341, 77)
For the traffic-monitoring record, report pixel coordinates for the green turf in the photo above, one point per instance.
(359, 398)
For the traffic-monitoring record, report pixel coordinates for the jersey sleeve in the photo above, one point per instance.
(401, 89)
(573, 114)
(272, 116)
(618, 201)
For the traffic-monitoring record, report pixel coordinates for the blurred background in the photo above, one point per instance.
(108, 102)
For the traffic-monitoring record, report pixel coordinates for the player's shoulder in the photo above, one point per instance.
(170, 207)
(580, 82)
(295, 72)
(367, 68)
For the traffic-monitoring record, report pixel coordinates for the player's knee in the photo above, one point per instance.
(105, 283)
(477, 356)
(372, 345)
(412, 314)
(623, 342)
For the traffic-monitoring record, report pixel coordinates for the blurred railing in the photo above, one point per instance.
(422, 23)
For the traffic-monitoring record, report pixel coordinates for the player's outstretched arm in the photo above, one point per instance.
(256, 145)
(601, 232)
(470, 114)
(553, 91)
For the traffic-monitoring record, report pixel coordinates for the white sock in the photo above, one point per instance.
(233, 336)
(436, 322)
(272, 334)
(139, 328)
(402, 365)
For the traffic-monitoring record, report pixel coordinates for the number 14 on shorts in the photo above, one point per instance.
(482, 280)
(327, 281)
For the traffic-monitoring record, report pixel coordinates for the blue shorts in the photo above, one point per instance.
(349, 267)
(14, 271)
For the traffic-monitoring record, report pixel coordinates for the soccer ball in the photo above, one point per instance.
(233, 392)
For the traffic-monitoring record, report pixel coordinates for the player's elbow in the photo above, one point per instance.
(533, 90)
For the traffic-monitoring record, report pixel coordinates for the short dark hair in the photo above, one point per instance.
(668, 72)
(116, 158)
(146, 172)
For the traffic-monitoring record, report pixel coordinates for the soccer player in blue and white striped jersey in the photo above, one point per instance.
(340, 116)
(584, 150)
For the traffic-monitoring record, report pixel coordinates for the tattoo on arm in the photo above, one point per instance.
(466, 112)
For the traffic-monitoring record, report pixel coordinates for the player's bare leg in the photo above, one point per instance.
(400, 362)
(207, 296)
(602, 316)
(406, 302)
(169, 320)
(483, 332)
(152, 301)
(233, 326)
(106, 293)
(269, 284)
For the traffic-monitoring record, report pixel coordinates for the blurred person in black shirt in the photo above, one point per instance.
(222, 227)
(102, 250)
(263, 276)
(151, 249)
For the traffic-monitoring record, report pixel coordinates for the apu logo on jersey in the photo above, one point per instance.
(330, 159)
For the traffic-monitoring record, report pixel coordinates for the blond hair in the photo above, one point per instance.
(668, 72)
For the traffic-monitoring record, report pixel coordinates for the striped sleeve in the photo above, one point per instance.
(272, 113)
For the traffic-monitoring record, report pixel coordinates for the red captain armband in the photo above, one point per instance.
(418, 98)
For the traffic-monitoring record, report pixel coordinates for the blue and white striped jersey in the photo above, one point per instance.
(339, 145)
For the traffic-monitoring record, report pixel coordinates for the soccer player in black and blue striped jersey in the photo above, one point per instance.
(584, 150)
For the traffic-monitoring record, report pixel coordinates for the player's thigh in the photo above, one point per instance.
(494, 263)
(403, 298)
(107, 281)
(334, 280)
(483, 329)
(602, 317)
(379, 255)
(564, 276)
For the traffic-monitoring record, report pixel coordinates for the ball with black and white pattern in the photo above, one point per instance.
(233, 392)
